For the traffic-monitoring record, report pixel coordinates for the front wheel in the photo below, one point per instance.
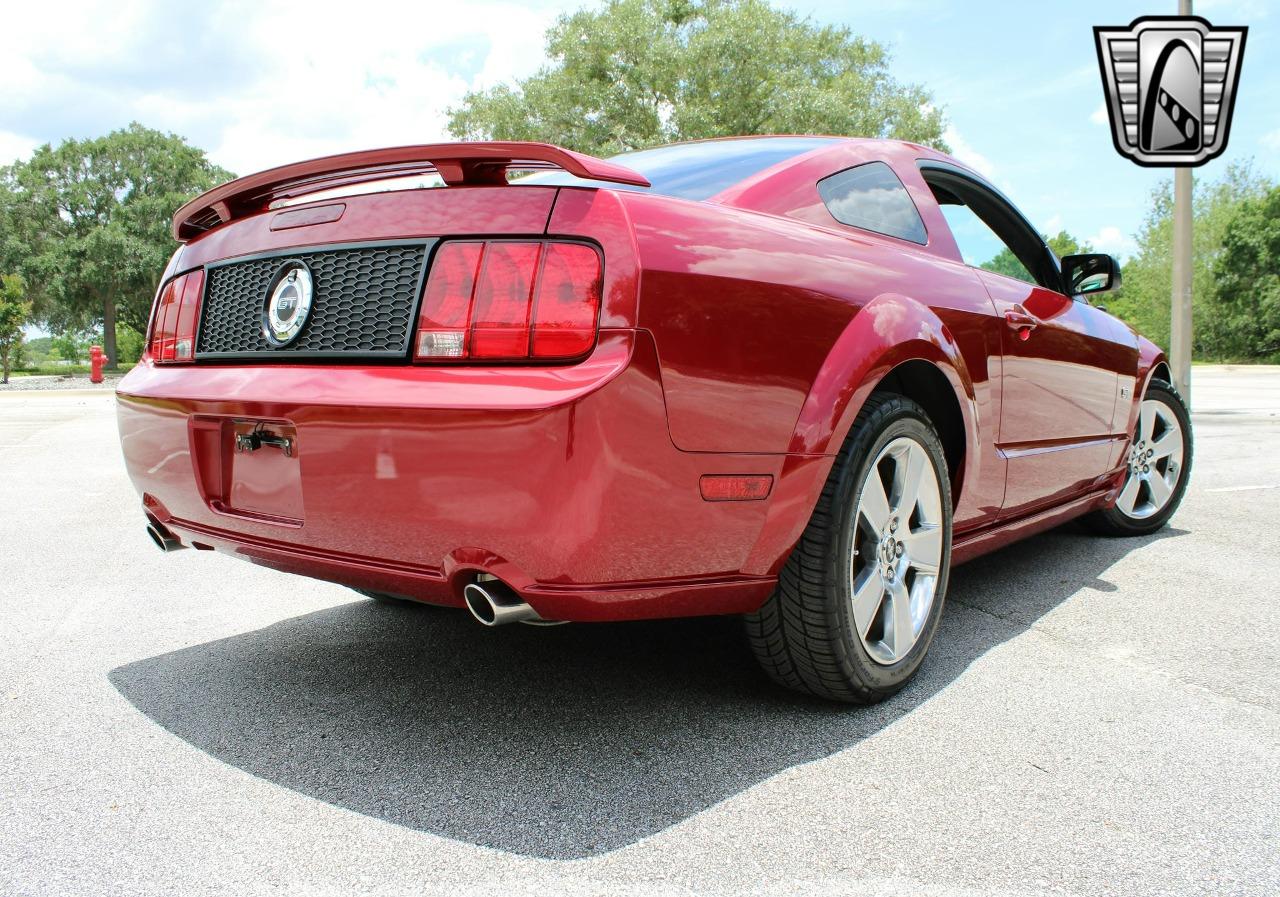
(1159, 463)
(859, 599)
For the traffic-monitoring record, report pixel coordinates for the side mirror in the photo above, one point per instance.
(1095, 272)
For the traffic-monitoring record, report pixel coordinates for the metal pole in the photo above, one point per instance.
(1180, 318)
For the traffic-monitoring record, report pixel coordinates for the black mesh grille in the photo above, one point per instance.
(362, 305)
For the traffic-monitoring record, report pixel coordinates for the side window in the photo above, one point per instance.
(871, 197)
(991, 233)
(980, 246)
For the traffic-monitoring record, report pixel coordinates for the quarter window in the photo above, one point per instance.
(871, 197)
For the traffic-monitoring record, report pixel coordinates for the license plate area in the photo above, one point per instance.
(249, 467)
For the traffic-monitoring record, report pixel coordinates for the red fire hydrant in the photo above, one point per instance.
(97, 360)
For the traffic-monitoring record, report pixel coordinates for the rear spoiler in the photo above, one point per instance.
(458, 164)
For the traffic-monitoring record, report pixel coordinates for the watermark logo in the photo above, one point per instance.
(1170, 84)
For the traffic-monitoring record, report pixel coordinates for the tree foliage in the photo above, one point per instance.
(1248, 279)
(1006, 263)
(1063, 244)
(87, 223)
(15, 311)
(72, 346)
(639, 73)
(1144, 300)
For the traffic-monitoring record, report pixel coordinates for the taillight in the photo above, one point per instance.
(173, 331)
(509, 299)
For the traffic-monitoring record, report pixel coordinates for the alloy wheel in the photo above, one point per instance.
(1155, 462)
(897, 550)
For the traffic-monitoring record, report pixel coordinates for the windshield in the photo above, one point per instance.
(695, 170)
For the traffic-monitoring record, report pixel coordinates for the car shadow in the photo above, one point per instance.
(560, 742)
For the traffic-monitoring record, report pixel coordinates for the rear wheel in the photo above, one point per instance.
(859, 599)
(1158, 466)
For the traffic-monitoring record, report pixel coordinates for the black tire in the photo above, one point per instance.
(1113, 521)
(804, 636)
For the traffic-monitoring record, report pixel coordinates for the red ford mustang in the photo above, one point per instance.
(757, 376)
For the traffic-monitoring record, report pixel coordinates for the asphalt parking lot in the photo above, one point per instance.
(1096, 717)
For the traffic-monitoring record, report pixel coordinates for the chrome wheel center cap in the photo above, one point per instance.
(1138, 456)
(890, 550)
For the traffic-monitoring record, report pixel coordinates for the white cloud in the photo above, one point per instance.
(1271, 140)
(1099, 116)
(15, 146)
(259, 83)
(1111, 239)
(1053, 225)
(961, 149)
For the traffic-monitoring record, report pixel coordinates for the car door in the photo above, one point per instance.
(1059, 387)
(1060, 362)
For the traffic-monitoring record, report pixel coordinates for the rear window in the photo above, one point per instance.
(871, 197)
(696, 170)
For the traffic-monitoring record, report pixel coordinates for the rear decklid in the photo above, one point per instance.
(368, 266)
(457, 164)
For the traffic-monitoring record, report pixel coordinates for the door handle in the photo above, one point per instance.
(1018, 319)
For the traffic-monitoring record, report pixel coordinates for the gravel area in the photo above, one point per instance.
(44, 382)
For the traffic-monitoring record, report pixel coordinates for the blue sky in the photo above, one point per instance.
(1020, 85)
(257, 84)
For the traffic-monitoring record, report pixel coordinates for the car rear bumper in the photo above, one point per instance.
(561, 481)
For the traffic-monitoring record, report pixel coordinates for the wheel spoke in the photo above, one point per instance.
(1129, 494)
(902, 635)
(1160, 490)
(1146, 422)
(907, 478)
(924, 546)
(874, 504)
(1170, 441)
(924, 568)
(868, 595)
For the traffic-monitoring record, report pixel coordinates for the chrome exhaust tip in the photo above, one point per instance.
(494, 603)
(165, 540)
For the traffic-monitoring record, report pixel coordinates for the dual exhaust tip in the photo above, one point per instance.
(491, 601)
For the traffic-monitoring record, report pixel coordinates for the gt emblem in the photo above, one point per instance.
(1170, 85)
(288, 303)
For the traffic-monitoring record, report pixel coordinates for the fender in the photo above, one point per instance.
(1150, 360)
(889, 330)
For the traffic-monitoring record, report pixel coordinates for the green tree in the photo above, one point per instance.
(639, 73)
(36, 351)
(1144, 299)
(1006, 263)
(1063, 244)
(1248, 279)
(15, 311)
(70, 346)
(129, 344)
(87, 223)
